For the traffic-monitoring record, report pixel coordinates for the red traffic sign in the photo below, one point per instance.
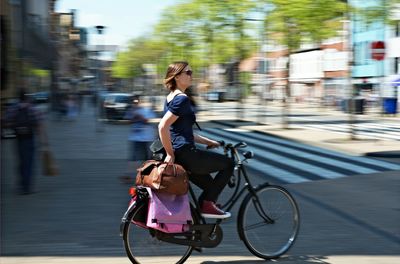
(378, 50)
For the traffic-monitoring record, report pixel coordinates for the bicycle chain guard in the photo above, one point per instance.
(203, 235)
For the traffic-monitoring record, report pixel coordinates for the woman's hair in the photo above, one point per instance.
(174, 69)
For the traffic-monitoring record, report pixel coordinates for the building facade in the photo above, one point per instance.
(39, 47)
(372, 77)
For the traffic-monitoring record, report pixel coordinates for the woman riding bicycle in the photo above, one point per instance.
(178, 139)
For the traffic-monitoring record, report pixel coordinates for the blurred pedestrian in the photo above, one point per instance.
(72, 108)
(140, 138)
(61, 105)
(27, 122)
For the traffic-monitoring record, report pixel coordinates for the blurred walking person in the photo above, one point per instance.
(141, 136)
(26, 120)
(72, 108)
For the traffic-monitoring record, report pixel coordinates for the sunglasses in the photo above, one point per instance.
(188, 72)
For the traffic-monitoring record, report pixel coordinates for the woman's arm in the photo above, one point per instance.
(165, 136)
(206, 141)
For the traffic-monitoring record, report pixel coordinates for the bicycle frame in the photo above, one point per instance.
(247, 185)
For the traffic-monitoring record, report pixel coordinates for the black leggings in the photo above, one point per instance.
(199, 164)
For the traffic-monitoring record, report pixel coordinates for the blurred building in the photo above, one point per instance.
(28, 50)
(319, 73)
(316, 72)
(71, 42)
(374, 77)
(306, 74)
(278, 59)
(335, 67)
(368, 74)
(393, 57)
(42, 50)
(100, 59)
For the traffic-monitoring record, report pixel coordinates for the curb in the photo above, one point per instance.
(384, 154)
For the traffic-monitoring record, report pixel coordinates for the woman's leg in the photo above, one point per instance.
(200, 163)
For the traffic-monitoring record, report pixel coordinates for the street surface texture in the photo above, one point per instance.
(349, 204)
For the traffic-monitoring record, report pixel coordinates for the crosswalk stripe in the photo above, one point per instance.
(325, 173)
(379, 126)
(379, 135)
(335, 164)
(275, 172)
(379, 165)
(364, 162)
(367, 129)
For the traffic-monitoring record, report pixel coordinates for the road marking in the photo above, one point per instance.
(293, 167)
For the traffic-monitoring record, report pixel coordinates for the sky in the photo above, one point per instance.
(123, 19)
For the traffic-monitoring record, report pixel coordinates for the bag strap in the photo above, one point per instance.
(147, 164)
(197, 124)
(174, 166)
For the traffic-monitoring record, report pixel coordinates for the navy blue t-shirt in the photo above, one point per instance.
(182, 129)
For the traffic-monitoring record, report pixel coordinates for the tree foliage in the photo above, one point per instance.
(386, 11)
(205, 32)
(200, 31)
(298, 21)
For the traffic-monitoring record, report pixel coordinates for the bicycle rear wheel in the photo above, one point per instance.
(272, 236)
(142, 246)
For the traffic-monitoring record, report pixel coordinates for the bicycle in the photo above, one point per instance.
(267, 211)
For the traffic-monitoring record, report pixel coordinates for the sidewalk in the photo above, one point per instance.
(74, 217)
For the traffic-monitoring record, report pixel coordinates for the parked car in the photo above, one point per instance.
(215, 96)
(115, 105)
(228, 94)
(40, 97)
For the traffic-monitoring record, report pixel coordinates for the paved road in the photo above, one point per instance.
(74, 217)
(288, 161)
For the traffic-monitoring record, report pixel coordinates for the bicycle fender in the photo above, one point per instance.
(125, 216)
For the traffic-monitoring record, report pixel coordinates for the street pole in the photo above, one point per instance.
(261, 68)
(98, 115)
(349, 49)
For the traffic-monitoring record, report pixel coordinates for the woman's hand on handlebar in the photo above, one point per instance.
(213, 144)
(169, 159)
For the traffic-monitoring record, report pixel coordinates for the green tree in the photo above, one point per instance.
(202, 32)
(386, 11)
(205, 32)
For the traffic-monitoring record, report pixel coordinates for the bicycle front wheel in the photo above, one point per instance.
(268, 222)
(142, 246)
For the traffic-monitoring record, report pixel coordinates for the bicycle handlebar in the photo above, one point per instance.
(229, 146)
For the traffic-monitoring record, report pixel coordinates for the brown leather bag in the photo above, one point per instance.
(165, 177)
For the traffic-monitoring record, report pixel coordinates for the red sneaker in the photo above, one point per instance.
(210, 210)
